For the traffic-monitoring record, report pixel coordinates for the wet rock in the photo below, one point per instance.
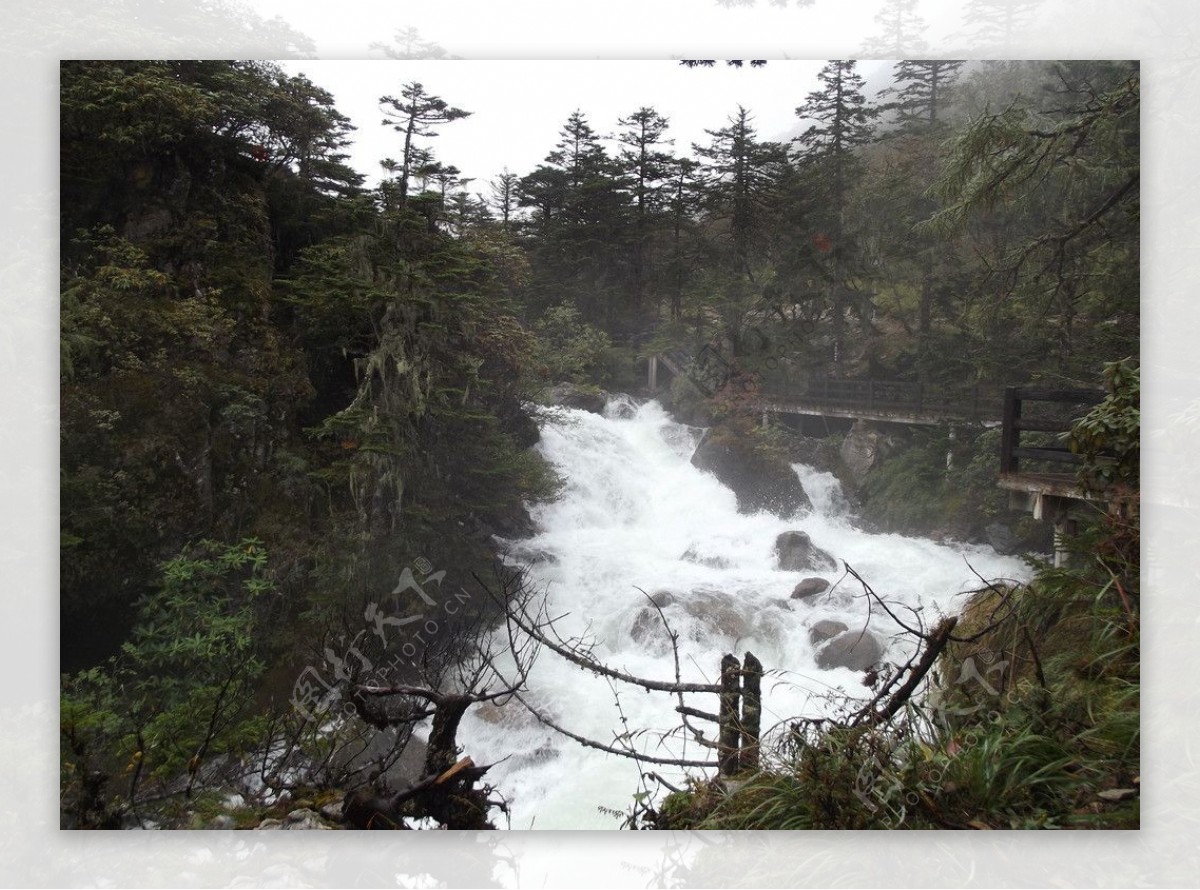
(269, 825)
(568, 395)
(333, 811)
(621, 407)
(648, 625)
(809, 587)
(858, 650)
(709, 611)
(222, 823)
(863, 449)
(762, 483)
(824, 630)
(1116, 795)
(1001, 538)
(797, 553)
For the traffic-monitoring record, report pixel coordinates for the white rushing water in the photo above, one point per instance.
(633, 506)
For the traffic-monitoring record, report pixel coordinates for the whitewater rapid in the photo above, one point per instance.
(635, 514)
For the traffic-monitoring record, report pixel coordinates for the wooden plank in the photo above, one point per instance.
(1033, 394)
(1044, 426)
(1058, 455)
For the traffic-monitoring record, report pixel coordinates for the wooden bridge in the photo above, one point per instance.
(1041, 476)
(884, 401)
(1038, 471)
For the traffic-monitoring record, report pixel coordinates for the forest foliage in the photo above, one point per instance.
(256, 347)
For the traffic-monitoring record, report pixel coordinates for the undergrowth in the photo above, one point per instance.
(1031, 721)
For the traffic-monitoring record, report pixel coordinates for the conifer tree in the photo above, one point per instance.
(415, 114)
(647, 168)
(829, 164)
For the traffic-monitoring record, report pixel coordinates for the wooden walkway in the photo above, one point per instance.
(886, 401)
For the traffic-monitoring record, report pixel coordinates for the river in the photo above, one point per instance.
(634, 514)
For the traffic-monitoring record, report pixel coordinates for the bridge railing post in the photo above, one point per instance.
(1010, 434)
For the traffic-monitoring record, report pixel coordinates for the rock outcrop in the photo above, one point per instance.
(863, 448)
(797, 553)
(761, 482)
(569, 395)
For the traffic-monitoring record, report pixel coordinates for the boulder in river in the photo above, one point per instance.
(797, 553)
(827, 629)
(761, 482)
(809, 587)
(569, 395)
(858, 650)
(1002, 539)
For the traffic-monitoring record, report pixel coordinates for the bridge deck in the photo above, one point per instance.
(883, 414)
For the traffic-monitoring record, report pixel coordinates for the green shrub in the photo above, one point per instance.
(180, 693)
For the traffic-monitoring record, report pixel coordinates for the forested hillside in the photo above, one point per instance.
(282, 387)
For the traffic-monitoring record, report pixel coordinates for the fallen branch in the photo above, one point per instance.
(935, 643)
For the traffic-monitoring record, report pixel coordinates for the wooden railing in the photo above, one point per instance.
(1068, 406)
(890, 396)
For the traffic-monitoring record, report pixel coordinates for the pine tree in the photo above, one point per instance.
(922, 89)
(647, 168)
(685, 199)
(742, 173)
(829, 164)
(504, 189)
(415, 114)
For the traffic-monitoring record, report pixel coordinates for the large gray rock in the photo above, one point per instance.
(809, 587)
(797, 553)
(761, 482)
(858, 650)
(568, 395)
(863, 448)
(820, 631)
(1002, 539)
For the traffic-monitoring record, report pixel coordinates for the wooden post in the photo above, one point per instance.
(727, 756)
(1010, 436)
(653, 373)
(752, 671)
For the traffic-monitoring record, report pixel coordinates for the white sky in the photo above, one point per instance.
(518, 107)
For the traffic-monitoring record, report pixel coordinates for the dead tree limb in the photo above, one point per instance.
(591, 743)
(934, 645)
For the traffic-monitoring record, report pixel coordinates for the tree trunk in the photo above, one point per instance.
(443, 745)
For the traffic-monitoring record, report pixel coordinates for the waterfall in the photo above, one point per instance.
(635, 514)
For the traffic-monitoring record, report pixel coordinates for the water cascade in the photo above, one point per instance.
(636, 514)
